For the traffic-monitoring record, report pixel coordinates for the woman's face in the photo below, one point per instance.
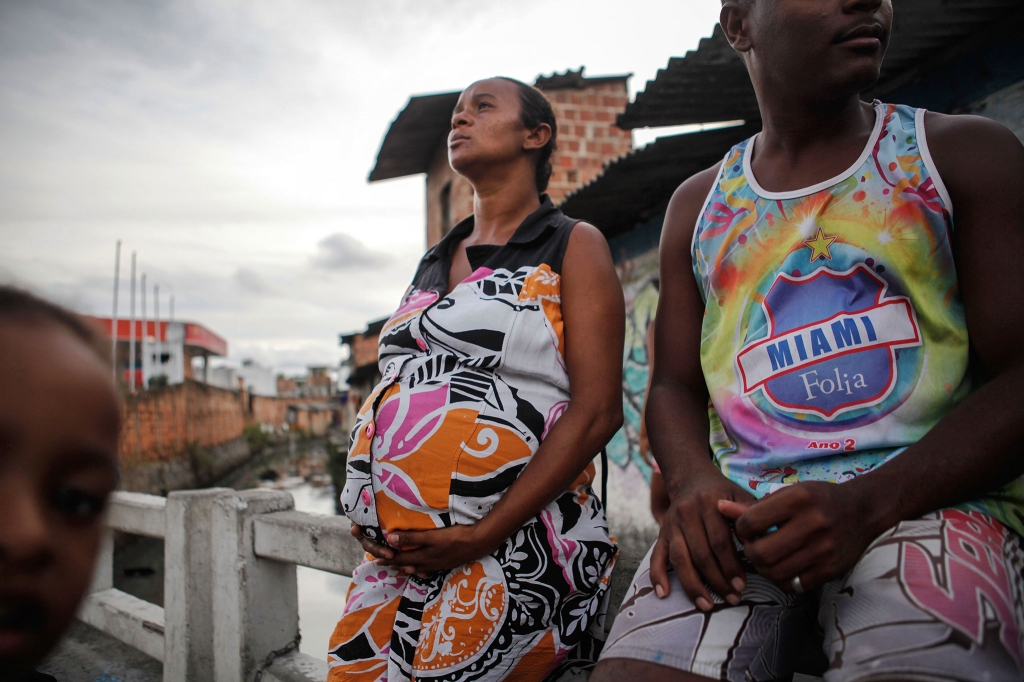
(59, 423)
(486, 127)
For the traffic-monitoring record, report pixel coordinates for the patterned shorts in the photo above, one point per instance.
(941, 597)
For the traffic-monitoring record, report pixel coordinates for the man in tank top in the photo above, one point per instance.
(842, 320)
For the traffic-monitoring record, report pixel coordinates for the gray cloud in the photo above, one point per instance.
(253, 282)
(340, 251)
(228, 143)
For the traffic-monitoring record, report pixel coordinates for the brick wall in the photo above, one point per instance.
(315, 422)
(587, 134)
(186, 435)
(162, 423)
(182, 436)
(274, 411)
(587, 139)
(364, 350)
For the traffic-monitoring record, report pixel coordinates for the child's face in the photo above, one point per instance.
(59, 422)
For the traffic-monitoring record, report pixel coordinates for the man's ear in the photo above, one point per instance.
(538, 137)
(735, 21)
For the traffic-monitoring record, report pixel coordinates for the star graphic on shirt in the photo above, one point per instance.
(819, 246)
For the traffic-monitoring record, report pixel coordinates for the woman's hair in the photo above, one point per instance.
(16, 304)
(535, 109)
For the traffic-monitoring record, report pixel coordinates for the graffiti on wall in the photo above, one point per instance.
(639, 276)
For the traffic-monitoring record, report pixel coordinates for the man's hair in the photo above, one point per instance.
(535, 109)
(16, 304)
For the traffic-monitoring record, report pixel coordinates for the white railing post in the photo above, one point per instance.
(135, 622)
(103, 574)
(188, 585)
(255, 601)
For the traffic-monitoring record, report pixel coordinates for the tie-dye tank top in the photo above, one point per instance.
(834, 333)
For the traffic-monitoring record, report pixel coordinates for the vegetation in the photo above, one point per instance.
(258, 440)
(201, 460)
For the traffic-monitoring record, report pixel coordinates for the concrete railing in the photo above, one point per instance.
(132, 620)
(230, 592)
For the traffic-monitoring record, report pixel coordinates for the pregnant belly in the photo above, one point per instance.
(414, 450)
(412, 485)
(435, 464)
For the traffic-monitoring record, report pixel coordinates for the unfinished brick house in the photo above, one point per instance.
(362, 362)
(585, 109)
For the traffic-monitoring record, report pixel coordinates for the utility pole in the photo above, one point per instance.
(131, 335)
(113, 318)
(156, 322)
(145, 333)
(172, 309)
(159, 358)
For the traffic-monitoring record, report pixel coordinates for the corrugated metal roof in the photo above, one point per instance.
(708, 84)
(711, 83)
(414, 136)
(635, 187)
(924, 31)
(575, 80)
(372, 329)
(950, 36)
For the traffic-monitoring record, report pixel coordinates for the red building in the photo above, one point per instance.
(162, 349)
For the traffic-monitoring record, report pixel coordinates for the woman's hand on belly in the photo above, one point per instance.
(370, 547)
(429, 551)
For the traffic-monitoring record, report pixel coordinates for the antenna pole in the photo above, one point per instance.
(156, 322)
(131, 334)
(113, 317)
(145, 332)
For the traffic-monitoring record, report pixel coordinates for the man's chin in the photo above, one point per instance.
(859, 74)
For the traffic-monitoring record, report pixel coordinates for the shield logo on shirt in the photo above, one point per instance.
(831, 346)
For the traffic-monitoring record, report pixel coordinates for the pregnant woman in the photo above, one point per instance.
(471, 462)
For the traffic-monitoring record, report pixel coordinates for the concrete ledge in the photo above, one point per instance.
(138, 514)
(129, 619)
(314, 540)
(296, 667)
(87, 655)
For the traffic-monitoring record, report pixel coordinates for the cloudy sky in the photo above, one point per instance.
(228, 143)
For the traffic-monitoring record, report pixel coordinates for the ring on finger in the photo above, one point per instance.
(796, 585)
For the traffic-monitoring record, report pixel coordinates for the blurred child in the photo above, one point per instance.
(59, 423)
